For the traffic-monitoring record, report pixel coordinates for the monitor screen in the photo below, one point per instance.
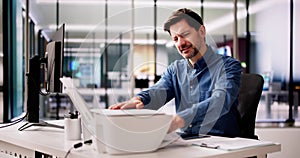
(55, 55)
(54, 67)
(59, 36)
(225, 50)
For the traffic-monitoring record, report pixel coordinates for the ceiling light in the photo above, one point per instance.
(114, 41)
(215, 4)
(228, 18)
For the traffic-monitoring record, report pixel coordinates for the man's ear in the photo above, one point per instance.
(202, 30)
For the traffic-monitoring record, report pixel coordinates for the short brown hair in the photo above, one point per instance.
(192, 18)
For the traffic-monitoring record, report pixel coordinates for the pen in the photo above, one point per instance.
(206, 145)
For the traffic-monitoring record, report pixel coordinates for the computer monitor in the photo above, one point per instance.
(54, 71)
(225, 50)
(55, 55)
(54, 67)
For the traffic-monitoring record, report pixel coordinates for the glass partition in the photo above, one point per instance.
(270, 56)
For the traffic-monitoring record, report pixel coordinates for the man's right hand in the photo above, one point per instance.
(134, 103)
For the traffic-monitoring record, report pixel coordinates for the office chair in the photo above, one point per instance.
(249, 96)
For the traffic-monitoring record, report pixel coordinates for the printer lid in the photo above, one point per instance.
(127, 112)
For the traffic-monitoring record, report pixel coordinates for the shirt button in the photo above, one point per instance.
(191, 87)
(190, 126)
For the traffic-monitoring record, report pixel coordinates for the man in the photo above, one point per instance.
(205, 85)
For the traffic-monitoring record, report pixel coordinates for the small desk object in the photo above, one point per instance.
(36, 141)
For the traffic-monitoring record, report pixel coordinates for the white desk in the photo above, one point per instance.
(270, 94)
(51, 142)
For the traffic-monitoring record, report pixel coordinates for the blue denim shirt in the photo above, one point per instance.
(206, 95)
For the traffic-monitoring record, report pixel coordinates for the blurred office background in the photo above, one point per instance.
(115, 48)
(108, 43)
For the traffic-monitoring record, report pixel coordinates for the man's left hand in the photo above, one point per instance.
(177, 122)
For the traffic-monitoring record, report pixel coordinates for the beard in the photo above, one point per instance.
(193, 54)
(190, 55)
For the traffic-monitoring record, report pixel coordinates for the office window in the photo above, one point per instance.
(13, 74)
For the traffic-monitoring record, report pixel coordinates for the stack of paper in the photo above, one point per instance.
(224, 143)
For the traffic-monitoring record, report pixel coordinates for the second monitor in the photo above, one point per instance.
(54, 67)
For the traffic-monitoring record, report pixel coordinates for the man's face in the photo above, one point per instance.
(187, 40)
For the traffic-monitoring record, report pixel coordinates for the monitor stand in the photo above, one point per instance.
(41, 123)
(33, 116)
(33, 92)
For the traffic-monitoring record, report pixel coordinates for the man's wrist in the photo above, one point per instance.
(136, 98)
(179, 121)
(137, 102)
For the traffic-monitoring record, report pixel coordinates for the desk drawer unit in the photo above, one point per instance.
(8, 150)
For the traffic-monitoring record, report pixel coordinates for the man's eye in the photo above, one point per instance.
(185, 34)
(175, 39)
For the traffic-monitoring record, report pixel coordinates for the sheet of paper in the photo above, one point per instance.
(173, 139)
(224, 143)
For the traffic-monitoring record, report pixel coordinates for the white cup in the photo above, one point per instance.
(72, 128)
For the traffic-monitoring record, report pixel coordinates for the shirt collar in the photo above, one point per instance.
(202, 62)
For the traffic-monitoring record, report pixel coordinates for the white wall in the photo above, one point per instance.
(296, 39)
(272, 28)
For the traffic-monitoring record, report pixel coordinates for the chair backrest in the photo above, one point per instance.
(249, 96)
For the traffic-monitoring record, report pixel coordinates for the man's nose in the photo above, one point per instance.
(181, 41)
